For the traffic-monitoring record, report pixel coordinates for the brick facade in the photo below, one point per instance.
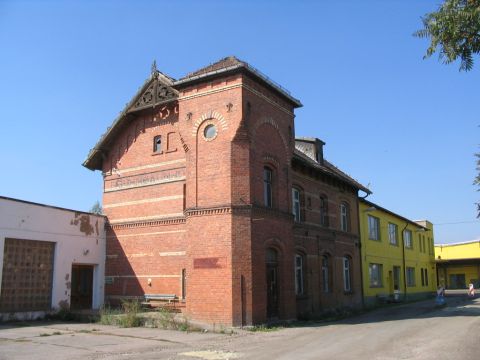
(189, 217)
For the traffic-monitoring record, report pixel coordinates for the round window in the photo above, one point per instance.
(210, 132)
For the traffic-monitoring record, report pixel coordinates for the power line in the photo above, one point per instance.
(458, 222)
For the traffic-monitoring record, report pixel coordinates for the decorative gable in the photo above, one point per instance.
(158, 91)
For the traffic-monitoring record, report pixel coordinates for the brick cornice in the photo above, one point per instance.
(217, 210)
(145, 223)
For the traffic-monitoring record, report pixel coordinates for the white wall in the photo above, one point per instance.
(79, 238)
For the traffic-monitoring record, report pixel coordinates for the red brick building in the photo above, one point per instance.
(201, 178)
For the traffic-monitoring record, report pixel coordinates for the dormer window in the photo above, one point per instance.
(157, 144)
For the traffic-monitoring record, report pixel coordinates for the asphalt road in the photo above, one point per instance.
(412, 331)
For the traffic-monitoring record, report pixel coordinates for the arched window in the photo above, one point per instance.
(326, 274)
(324, 211)
(267, 187)
(157, 144)
(298, 204)
(344, 217)
(347, 274)
(299, 274)
(271, 256)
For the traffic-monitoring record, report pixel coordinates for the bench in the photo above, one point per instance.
(152, 298)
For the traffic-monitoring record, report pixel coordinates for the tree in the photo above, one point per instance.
(96, 208)
(454, 29)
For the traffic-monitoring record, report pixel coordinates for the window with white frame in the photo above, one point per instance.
(407, 238)
(375, 273)
(344, 216)
(347, 274)
(267, 186)
(393, 233)
(410, 276)
(325, 274)
(296, 204)
(299, 278)
(373, 228)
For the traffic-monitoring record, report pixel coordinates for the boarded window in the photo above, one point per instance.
(27, 275)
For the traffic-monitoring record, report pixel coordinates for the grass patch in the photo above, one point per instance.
(127, 316)
(265, 328)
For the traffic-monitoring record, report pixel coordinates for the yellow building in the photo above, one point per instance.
(397, 256)
(458, 264)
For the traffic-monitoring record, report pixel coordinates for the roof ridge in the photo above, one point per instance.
(219, 64)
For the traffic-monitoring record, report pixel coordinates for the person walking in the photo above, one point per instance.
(471, 290)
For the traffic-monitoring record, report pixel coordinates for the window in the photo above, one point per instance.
(344, 217)
(393, 234)
(325, 274)
(267, 187)
(375, 272)
(347, 274)
(373, 228)
(210, 132)
(299, 278)
(323, 211)
(420, 242)
(410, 276)
(423, 244)
(296, 204)
(424, 277)
(407, 238)
(157, 144)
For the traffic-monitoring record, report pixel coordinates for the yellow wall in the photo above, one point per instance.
(388, 255)
(469, 250)
(458, 259)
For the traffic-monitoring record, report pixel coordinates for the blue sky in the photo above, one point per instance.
(405, 126)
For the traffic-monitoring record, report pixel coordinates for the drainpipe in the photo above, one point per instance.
(360, 251)
(404, 263)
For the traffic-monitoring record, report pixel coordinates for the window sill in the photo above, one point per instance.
(350, 292)
(376, 287)
(157, 153)
(301, 297)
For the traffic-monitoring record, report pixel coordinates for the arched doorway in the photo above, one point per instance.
(271, 260)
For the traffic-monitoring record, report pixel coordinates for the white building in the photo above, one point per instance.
(51, 258)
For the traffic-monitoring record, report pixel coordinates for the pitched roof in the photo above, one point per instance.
(220, 64)
(329, 169)
(223, 66)
(232, 63)
(378, 207)
(94, 158)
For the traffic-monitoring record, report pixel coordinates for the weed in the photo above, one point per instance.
(126, 317)
(167, 319)
(264, 328)
(108, 315)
